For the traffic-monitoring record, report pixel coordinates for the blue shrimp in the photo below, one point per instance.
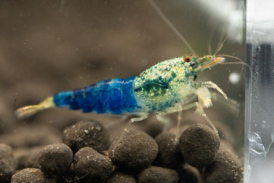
(161, 89)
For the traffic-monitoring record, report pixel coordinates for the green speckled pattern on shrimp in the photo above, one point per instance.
(164, 84)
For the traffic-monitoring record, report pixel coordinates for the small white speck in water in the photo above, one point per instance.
(234, 78)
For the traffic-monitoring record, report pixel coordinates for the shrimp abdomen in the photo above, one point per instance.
(114, 96)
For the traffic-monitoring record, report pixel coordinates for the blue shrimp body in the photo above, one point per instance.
(114, 96)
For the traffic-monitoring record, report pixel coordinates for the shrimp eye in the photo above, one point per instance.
(187, 59)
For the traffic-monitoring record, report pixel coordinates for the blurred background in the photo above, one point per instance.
(51, 46)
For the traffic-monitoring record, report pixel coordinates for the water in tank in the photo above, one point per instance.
(104, 61)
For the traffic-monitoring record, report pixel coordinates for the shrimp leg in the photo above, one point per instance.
(179, 109)
(204, 100)
(200, 110)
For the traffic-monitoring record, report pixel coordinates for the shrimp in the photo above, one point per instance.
(162, 89)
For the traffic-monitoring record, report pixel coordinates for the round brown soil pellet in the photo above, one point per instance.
(169, 154)
(89, 162)
(55, 159)
(156, 174)
(86, 134)
(225, 168)
(30, 175)
(199, 145)
(8, 163)
(135, 151)
(119, 176)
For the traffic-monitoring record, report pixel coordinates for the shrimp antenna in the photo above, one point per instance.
(220, 46)
(241, 62)
(230, 56)
(223, 32)
(214, 27)
(166, 20)
(209, 41)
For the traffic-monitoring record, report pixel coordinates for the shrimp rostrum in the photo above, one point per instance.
(161, 89)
